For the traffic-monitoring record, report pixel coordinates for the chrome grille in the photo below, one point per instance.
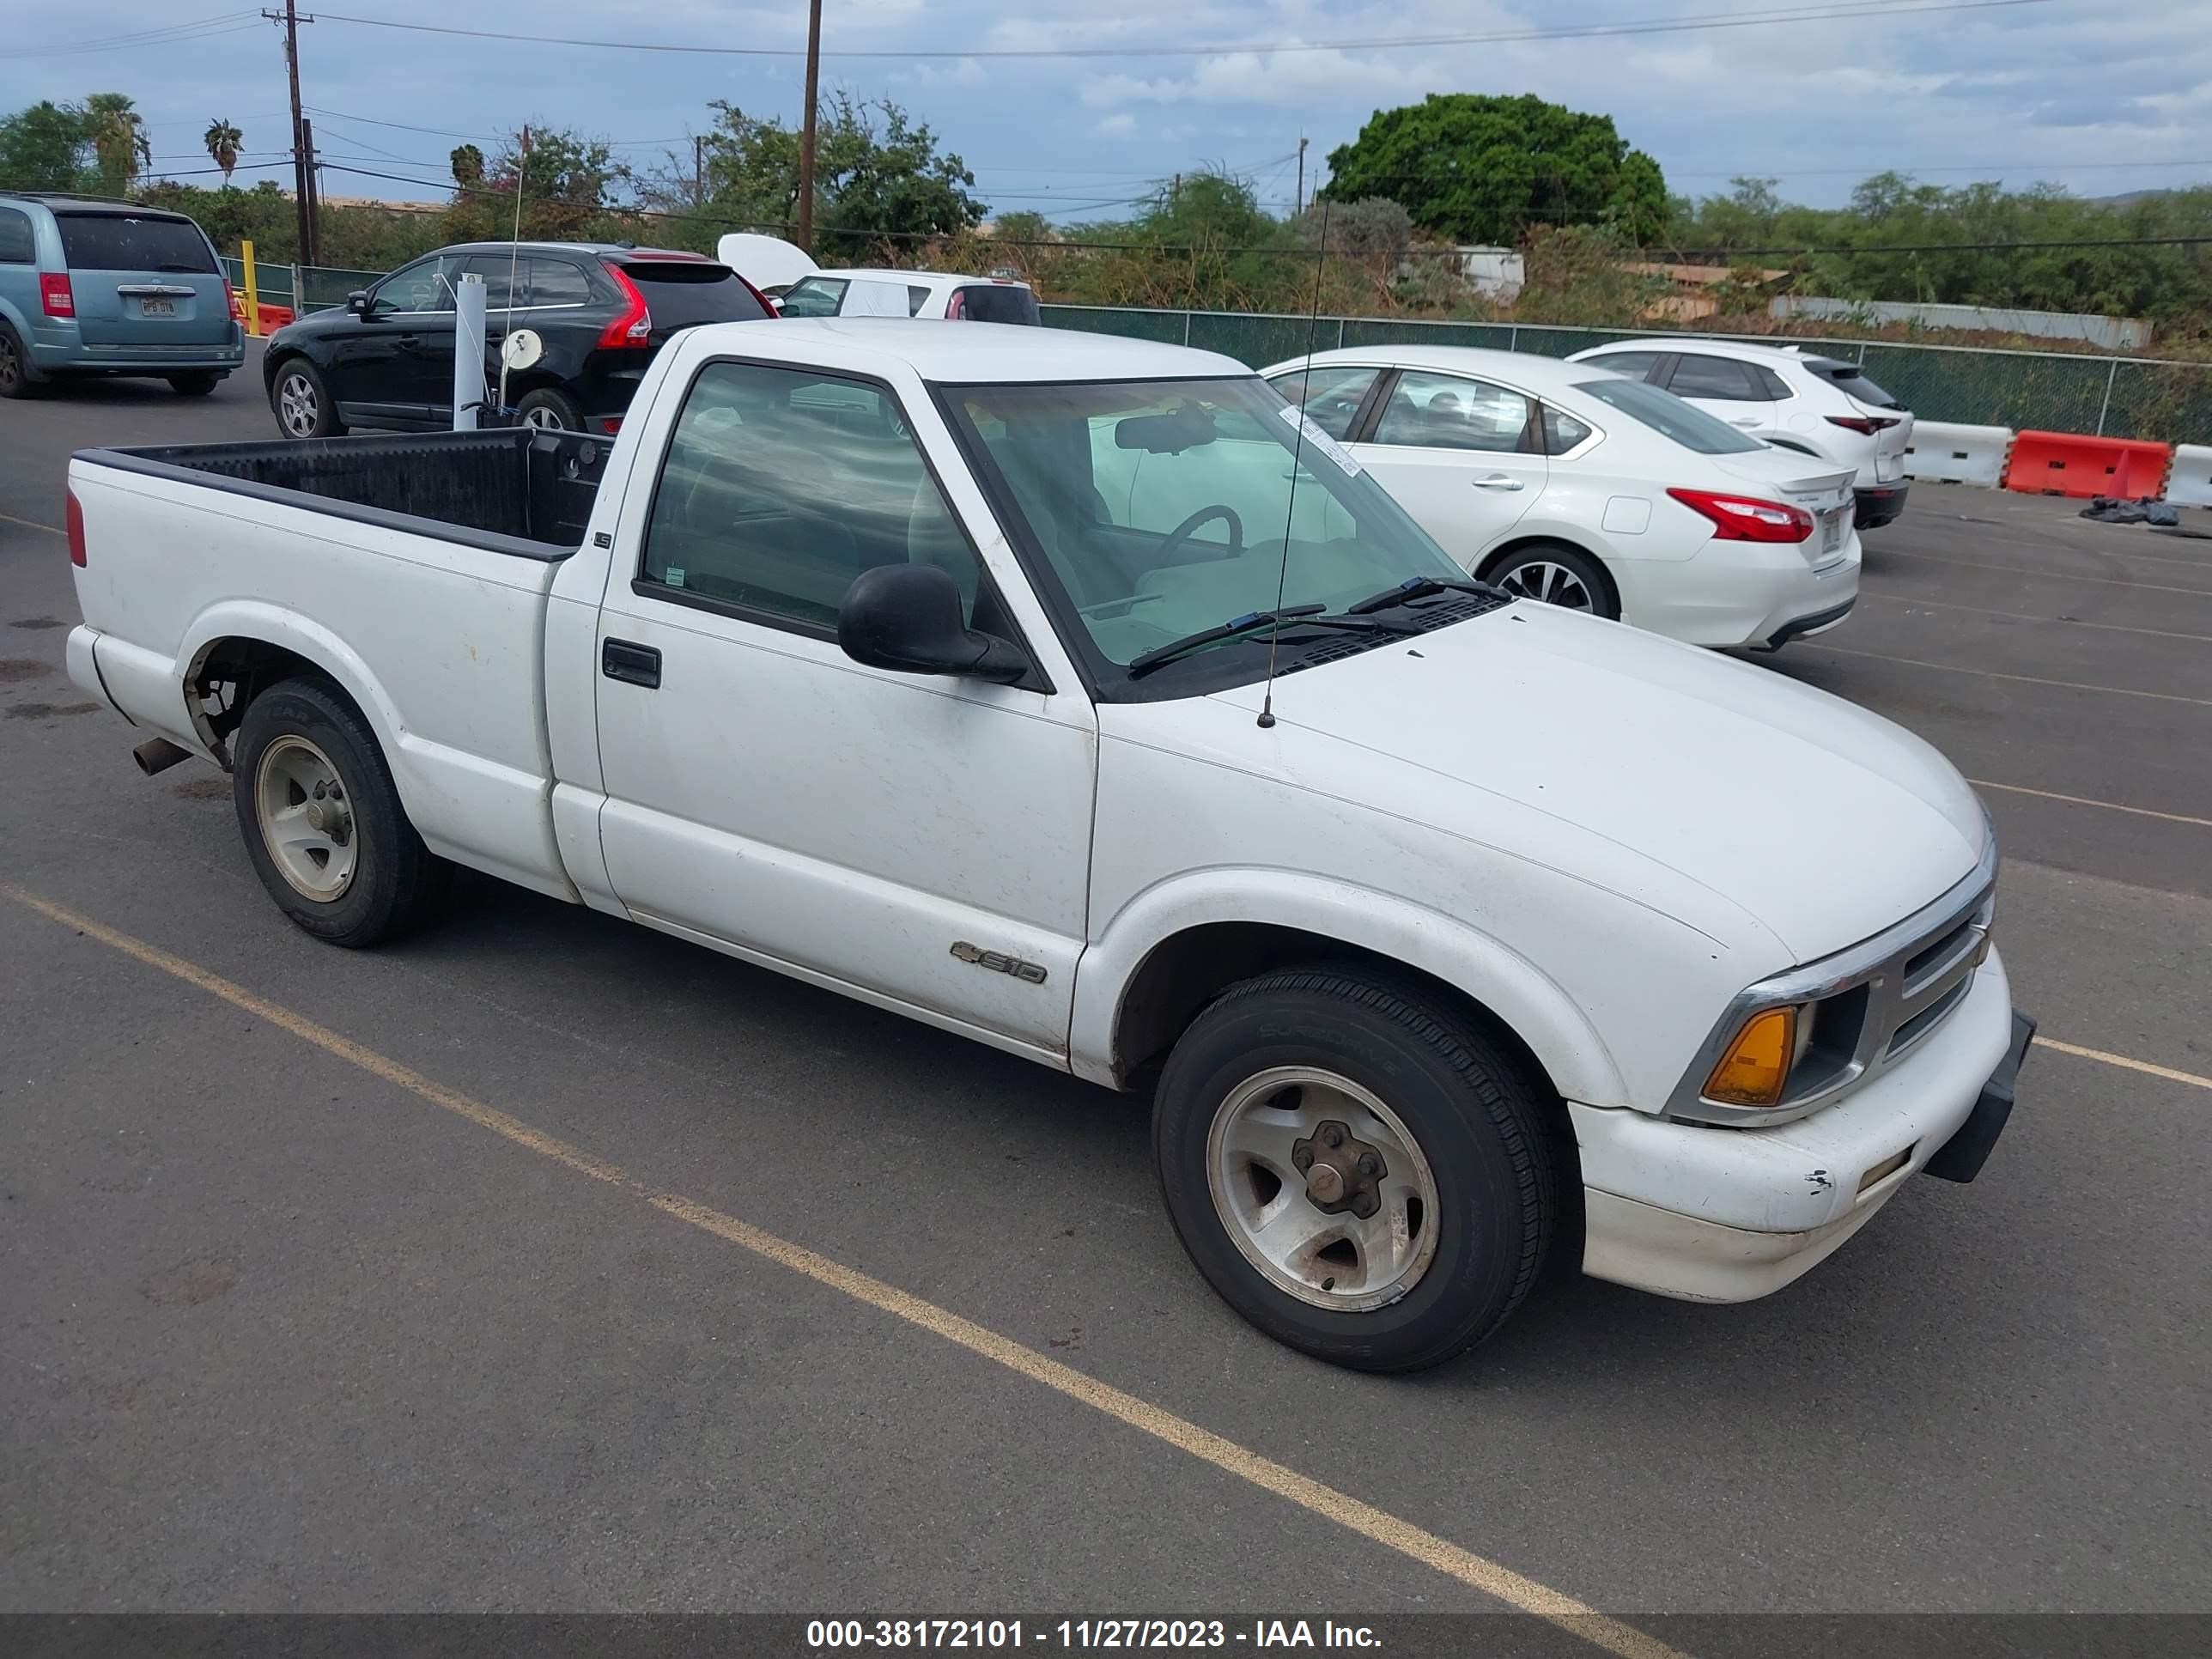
(1898, 987)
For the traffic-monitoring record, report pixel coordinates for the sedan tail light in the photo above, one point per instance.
(75, 522)
(1746, 517)
(633, 325)
(1865, 425)
(56, 294)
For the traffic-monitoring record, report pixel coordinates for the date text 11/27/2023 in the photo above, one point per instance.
(827, 1634)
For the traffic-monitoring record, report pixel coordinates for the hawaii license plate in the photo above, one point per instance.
(1832, 531)
(156, 308)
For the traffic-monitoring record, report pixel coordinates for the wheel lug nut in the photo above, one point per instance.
(1370, 1164)
(1332, 1135)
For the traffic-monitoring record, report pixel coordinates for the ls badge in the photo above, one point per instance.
(998, 963)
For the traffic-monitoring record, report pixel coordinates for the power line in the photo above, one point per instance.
(203, 28)
(1816, 13)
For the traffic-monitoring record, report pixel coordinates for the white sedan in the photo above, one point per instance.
(1568, 483)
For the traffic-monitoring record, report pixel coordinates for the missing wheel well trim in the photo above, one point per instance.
(229, 673)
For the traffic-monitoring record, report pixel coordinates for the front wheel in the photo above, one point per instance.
(300, 398)
(323, 822)
(1553, 573)
(1355, 1166)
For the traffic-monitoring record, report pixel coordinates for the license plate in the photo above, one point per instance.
(156, 308)
(1832, 532)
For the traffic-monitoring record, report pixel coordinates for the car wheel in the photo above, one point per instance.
(323, 822)
(15, 379)
(549, 410)
(194, 386)
(301, 400)
(1555, 574)
(1354, 1166)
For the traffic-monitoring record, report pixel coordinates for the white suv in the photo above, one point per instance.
(1793, 399)
(933, 294)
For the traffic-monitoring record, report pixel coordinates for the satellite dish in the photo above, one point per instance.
(521, 349)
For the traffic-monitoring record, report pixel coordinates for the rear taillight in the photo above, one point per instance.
(75, 522)
(1865, 425)
(237, 306)
(56, 294)
(1746, 517)
(610, 424)
(955, 308)
(632, 326)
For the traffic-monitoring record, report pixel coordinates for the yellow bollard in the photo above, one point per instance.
(252, 292)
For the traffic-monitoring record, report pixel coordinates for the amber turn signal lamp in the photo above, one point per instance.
(1757, 1063)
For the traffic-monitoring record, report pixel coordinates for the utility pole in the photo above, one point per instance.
(698, 171)
(291, 19)
(1299, 201)
(313, 254)
(807, 132)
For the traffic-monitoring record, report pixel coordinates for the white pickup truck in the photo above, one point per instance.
(1070, 693)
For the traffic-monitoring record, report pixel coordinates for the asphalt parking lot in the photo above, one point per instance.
(284, 1329)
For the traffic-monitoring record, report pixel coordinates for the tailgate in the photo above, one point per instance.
(143, 281)
(1890, 443)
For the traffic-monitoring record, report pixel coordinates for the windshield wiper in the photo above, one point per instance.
(1417, 587)
(1303, 616)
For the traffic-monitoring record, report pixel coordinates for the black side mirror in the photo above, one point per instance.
(357, 302)
(906, 617)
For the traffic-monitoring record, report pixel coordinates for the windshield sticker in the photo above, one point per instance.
(1320, 440)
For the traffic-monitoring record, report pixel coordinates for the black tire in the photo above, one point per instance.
(1476, 1117)
(15, 379)
(550, 405)
(396, 881)
(325, 423)
(1524, 564)
(195, 384)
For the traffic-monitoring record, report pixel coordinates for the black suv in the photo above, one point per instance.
(602, 311)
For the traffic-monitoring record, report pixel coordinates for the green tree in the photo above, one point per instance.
(222, 140)
(44, 147)
(879, 176)
(468, 164)
(1477, 168)
(573, 189)
(120, 141)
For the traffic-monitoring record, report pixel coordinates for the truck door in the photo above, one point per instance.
(923, 839)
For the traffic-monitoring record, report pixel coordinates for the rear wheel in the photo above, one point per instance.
(301, 400)
(1354, 1166)
(1554, 573)
(549, 410)
(15, 379)
(323, 823)
(196, 385)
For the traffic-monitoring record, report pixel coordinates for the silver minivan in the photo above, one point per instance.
(90, 287)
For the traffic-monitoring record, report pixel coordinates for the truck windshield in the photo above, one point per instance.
(1163, 507)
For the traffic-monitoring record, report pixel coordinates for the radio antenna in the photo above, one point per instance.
(1298, 453)
(514, 251)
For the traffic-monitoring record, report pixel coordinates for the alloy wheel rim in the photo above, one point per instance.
(1323, 1188)
(10, 368)
(298, 406)
(543, 419)
(306, 821)
(1548, 584)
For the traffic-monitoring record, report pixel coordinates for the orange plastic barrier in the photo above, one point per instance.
(2068, 463)
(274, 317)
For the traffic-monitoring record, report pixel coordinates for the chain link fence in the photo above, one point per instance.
(303, 289)
(2039, 391)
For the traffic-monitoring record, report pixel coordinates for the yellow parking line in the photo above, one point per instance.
(2084, 800)
(31, 523)
(2122, 1060)
(1993, 674)
(1475, 1571)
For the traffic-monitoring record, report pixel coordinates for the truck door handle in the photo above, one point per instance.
(631, 664)
(1498, 481)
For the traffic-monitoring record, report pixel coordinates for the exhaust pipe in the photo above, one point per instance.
(158, 755)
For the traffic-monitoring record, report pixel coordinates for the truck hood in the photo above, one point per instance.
(1820, 821)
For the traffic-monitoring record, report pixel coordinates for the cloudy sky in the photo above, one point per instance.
(2101, 98)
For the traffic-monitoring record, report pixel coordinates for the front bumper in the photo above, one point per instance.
(1879, 504)
(1729, 1215)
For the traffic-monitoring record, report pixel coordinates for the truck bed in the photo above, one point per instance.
(510, 489)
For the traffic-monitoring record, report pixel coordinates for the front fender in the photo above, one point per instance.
(1535, 1007)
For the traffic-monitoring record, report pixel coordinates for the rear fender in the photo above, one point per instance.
(249, 619)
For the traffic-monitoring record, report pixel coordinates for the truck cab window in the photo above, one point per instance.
(781, 486)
